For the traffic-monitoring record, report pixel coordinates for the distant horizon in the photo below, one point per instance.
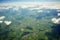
(1, 1)
(27, 2)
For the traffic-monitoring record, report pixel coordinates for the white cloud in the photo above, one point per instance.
(1, 21)
(2, 17)
(34, 8)
(7, 22)
(56, 20)
(8, 7)
(58, 14)
(24, 6)
(50, 5)
(40, 11)
(16, 8)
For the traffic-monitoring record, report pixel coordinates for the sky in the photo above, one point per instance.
(29, 0)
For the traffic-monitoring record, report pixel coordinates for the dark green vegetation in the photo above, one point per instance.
(29, 25)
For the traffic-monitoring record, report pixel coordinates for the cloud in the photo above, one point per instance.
(15, 8)
(7, 22)
(1, 21)
(56, 20)
(58, 14)
(58, 10)
(4, 8)
(30, 5)
(40, 11)
(2, 17)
